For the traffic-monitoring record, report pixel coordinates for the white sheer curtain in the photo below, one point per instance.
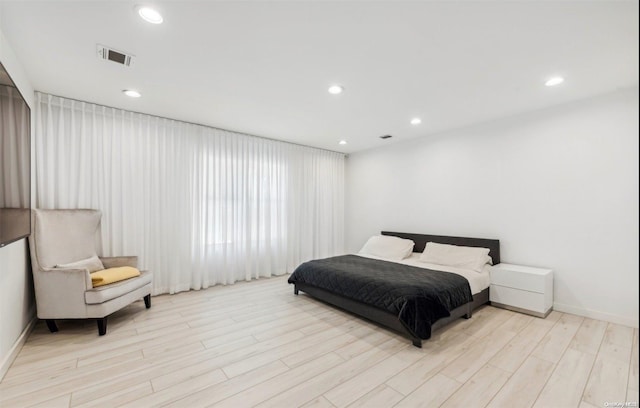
(198, 205)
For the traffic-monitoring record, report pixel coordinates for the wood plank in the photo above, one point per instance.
(327, 323)
(356, 387)
(486, 321)
(480, 388)
(178, 390)
(307, 344)
(60, 402)
(524, 386)
(554, 316)
(381, 396)
(85, 394)
(432, 393)
(322, 383)
(335, 342)
(511, 357)
(537, 329)
(118, 397)
(20, 374)
(632, 395)
(610, 374)
(434, 360)
(566, 384)
(553, 345)
(517, 322)
(174, 365)
(211, 395)
(589, 336)
(619, 335)
(42, 389)
(586, 405)
(370, 338)
(283, 382)
(607, 382)
(320, 402)
(465, 366)
(633, 369)
(112, 357)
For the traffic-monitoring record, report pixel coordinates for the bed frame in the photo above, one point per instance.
(390, 320)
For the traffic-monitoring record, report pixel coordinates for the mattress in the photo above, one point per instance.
(477, 281)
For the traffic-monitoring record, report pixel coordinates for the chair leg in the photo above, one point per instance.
(147, 301)
(51, 324)
(102, 326)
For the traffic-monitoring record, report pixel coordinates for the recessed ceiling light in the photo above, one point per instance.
(150, 15)
(131, 93)
(553, 81)
(416, 121)
(335, 89)
(342, 142)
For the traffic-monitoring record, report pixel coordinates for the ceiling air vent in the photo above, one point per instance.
(110, 54)
(385, 137)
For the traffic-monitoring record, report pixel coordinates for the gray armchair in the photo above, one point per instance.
(66, 236)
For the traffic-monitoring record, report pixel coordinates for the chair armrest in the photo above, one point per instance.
(60, 293)
(117, 261)
(74, 278)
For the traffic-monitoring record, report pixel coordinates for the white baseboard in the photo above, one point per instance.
(607, 317)
(17, 346)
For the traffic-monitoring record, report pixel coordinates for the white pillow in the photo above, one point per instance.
(388, 247)
(92, 264)
(454, 255)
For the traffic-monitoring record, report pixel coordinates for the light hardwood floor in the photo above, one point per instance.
(256, 344)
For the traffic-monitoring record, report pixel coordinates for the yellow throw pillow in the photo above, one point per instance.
(111, 275)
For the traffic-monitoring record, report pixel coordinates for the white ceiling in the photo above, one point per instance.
(264, 67)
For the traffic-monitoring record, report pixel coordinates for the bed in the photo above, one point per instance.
(380, 301)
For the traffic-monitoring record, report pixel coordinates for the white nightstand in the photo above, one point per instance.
(522, 289)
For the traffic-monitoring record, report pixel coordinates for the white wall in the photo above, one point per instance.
(17, 304)
(558, 187)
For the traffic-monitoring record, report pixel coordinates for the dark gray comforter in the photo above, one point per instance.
(417, 296)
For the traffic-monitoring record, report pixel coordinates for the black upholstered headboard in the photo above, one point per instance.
(422, 239)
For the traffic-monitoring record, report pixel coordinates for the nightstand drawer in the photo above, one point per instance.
(520, 299)
(518, 277)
